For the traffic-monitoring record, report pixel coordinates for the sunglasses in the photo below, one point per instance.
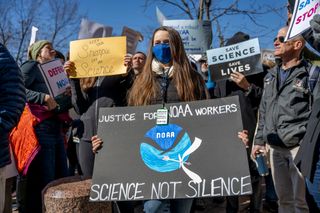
(280, 38)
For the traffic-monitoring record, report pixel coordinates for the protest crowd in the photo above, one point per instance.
(51, 133)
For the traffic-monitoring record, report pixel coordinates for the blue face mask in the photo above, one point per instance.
(162, 53)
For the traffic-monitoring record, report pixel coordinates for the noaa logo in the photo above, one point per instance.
(168, 158)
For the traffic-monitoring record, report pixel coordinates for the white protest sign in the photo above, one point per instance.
(89, 29)
(160, 16)
(33, 35)
(55, 77)
(133, 37)
(303, 12)
(196, 35)
(242, 57)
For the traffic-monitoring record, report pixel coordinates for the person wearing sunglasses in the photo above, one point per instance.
(283, 115)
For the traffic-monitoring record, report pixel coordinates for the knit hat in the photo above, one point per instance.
(35, 48)
(237, 38)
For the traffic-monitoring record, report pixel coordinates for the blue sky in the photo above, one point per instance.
(131, 13)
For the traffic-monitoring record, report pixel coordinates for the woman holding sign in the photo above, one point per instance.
(50, 162)
(167, 78)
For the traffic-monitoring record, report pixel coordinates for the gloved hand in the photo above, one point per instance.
(315, 26)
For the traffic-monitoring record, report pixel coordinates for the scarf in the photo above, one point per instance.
(158, 68)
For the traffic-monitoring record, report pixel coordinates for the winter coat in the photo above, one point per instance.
(172, 92)
(37, 89)
(35, 85)
(249, 100)
(309, 151)
(284, 111)
(12, 101)
(107, 92)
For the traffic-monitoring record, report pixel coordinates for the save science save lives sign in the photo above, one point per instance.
(198, 154)
(242, 57)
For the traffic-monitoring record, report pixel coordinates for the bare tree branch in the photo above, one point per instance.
(187, 8)
(225, 10)
(64, 14)
(220, 34)
(6, 33)
(200, 10)
(26, 12)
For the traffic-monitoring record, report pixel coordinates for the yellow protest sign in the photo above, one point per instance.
(98, 56)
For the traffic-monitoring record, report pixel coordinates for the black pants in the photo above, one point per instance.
(86, 158)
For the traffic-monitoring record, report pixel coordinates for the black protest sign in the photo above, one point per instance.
(242, 57)
(198, 154)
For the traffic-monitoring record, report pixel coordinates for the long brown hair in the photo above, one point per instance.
(190, 86)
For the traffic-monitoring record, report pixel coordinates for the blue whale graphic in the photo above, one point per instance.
(153, 157)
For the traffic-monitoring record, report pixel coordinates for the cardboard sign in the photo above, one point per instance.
(242, 57)
(198, 154)
(98, 57)
(196, 35)
(133, 37)
(304, 10)
(55, 77)
(89, 29)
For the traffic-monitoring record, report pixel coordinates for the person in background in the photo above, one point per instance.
(206, 74)
(308, 157)
(271, 199)
(50, 163)
(12, 103)
(249, 90)
(135, 63)
(283, 115)
(88, 95)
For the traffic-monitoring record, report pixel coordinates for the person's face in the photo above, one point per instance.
(282, 48)
(161, 36)
(138, 61)
(47, 53)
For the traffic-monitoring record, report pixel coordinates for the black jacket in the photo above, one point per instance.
(107, 92)
(12, 101)
(284, 111)
(308, 154)
(35, 85)
(172, 95)
(249, 100)
(37, 89)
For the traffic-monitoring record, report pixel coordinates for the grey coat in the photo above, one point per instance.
(284, 111)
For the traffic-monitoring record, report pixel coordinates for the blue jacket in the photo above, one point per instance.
(12, 101)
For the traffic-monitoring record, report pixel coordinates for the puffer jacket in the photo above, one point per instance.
(12, 101)
(284, 111)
